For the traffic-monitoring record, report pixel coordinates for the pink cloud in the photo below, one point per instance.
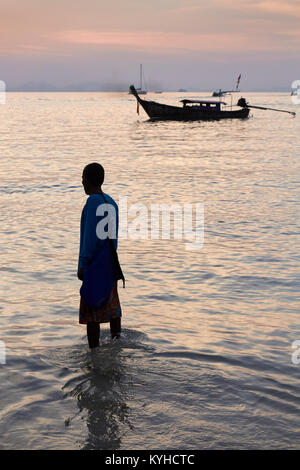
(172, 41)
(281, 8)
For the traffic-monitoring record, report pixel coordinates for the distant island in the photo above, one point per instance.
(113, 87)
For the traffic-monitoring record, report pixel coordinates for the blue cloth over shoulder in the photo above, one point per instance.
(101, 276)
(102, 272)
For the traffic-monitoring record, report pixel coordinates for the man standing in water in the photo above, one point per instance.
(90, 245)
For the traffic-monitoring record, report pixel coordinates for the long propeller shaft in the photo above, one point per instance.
(243, 103)
(273, 109)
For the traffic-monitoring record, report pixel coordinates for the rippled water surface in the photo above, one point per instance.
(205, 360)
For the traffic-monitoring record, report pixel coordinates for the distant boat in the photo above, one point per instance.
(158, 92)
(182, 90)
(192, 110)
(221, 93)
(140, 90)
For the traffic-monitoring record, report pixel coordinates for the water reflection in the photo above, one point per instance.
(102, 393)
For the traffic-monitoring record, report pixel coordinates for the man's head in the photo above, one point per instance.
(92, 177)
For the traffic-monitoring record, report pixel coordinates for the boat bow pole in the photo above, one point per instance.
(135, 93)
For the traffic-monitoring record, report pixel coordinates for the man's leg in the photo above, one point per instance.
(115, 327)
(93, 334)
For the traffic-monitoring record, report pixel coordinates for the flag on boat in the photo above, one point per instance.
(238, 82)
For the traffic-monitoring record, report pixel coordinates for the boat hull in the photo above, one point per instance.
(158, 111)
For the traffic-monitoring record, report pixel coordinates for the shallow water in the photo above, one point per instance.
(205, 360)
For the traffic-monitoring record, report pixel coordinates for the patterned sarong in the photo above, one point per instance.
(105, 314)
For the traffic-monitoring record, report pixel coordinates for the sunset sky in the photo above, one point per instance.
(193, 44)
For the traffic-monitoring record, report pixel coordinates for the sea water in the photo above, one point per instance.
(208, 358)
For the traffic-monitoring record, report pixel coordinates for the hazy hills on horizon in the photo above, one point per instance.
(111, 87)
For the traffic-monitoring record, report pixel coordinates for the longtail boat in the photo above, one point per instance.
(192, 110)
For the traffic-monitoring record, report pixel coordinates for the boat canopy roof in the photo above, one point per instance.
(201, 102)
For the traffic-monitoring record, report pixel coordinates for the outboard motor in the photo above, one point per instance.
(242, 103)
